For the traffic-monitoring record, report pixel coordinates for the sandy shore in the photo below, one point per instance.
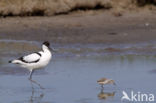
(82, 27)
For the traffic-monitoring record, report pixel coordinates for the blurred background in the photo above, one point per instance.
(78, 21)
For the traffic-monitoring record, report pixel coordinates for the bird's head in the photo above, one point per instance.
(46, 45)
(112, 82)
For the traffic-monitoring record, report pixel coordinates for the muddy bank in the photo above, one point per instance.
(82, 27)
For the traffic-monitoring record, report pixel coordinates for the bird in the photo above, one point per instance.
(104, 81)
(36, 60)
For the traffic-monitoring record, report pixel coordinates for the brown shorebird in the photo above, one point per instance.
(104, 81)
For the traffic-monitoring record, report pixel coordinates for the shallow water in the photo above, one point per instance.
(73, 80)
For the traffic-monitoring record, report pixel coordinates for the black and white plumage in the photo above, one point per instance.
(35, 60)
(31, 58)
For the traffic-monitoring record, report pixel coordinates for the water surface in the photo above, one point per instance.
(72, 79)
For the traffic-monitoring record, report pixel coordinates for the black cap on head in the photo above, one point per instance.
(46, 43)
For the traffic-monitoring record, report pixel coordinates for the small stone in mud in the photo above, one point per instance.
(147, 24)
(112, 33)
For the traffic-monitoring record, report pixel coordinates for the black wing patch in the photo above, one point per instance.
(23, 60)
(38, 53)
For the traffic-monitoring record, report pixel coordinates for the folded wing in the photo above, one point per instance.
(31, 58)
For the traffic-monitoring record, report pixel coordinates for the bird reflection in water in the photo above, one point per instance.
(105, 95)
(38, 92)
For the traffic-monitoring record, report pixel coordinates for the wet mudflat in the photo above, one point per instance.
(72, 74)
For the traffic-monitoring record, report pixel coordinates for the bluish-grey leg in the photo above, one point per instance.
(31, 72)
(102, 87)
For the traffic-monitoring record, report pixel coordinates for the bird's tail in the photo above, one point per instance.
(15, 61)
